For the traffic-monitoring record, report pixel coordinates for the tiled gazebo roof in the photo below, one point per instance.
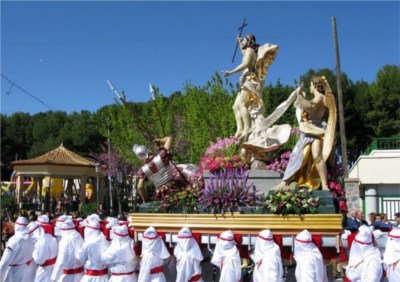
(60, 156)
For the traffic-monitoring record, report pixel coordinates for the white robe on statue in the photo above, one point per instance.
(226, 257)
(365, 263)
(16, 263)
(309, 262)
(95, 244)
(189, 257)
(67, 267)
(44, 253)
(267, 259)
(120, 256)
(391, 257)
(154, 252)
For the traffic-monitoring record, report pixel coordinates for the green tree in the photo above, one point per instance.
(273, 96)
(80, 134)
(16, 134)
(358, 130)
(46, 132)
(16, 140)
(385, 97)
(207, 115)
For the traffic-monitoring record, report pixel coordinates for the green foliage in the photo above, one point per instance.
(358, 102)
(186, 201)
(78, 132)
(291, 200)
(8, 204)
(195, 117)
(87, 209)
(275, 95)
(16, 137)
(207, 115)
(385, 98)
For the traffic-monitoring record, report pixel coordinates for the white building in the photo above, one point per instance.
(378, 175)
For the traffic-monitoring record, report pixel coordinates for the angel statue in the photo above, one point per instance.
(266, 137)
(160, 169)
(257, 132)
(254, 68)
(307, 163)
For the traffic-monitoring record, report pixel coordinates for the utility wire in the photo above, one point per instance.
(12, 83)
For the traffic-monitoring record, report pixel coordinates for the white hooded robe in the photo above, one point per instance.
(267, 259)
(16, 263)
(120, 256)
(226, 257)
(44, 253)
(188, 256)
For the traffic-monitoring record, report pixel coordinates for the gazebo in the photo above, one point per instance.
(56, 164)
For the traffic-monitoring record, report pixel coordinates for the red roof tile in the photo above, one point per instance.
(59, 156)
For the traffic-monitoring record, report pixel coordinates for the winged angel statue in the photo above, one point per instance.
(307, 164)
(257, 132)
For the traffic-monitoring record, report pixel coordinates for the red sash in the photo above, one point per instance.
(195, 278)
(27, 263)
(346, 279)
(157, 269)
(124, 273)
(49, 262)
(96, 272)
(49, 229)
(74, 270)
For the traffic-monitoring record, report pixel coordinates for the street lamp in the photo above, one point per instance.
(97, 167)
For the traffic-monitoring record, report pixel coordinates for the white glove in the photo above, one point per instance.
(377, 233)
(345, 234)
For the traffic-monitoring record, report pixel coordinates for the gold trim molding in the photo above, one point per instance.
(330, 224)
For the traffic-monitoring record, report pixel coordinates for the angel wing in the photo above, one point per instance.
(330, 130)
(265, 57)
(279, 111)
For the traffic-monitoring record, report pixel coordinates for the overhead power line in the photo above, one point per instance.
(13, 84)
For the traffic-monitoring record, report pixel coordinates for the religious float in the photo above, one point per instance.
(228, 192)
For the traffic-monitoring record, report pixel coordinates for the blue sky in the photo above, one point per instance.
(62, 53)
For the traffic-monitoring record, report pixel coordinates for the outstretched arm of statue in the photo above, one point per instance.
(165, 142)
(240, 43)
(306, 104)
(246, 63)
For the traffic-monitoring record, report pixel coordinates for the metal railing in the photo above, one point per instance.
(384, 143)
(389, 204)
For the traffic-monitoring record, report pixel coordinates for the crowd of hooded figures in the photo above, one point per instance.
(71, 252)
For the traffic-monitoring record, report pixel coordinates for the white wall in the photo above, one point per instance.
(380, 167)
(379, 175)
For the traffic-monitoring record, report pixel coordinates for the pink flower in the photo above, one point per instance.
(332, 185)
(228, 165)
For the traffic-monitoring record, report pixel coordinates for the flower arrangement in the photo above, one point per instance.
(186, 200)
(228, 191)
(280, 163)
(335, 178)
(223, 155)
(335, 183)
(282, 156)
(291, 200)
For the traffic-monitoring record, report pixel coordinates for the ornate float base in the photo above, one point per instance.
(240, 223)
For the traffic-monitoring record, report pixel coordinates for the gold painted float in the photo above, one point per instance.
(240, 223)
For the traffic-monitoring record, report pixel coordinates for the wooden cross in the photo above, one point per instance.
(240, 34)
